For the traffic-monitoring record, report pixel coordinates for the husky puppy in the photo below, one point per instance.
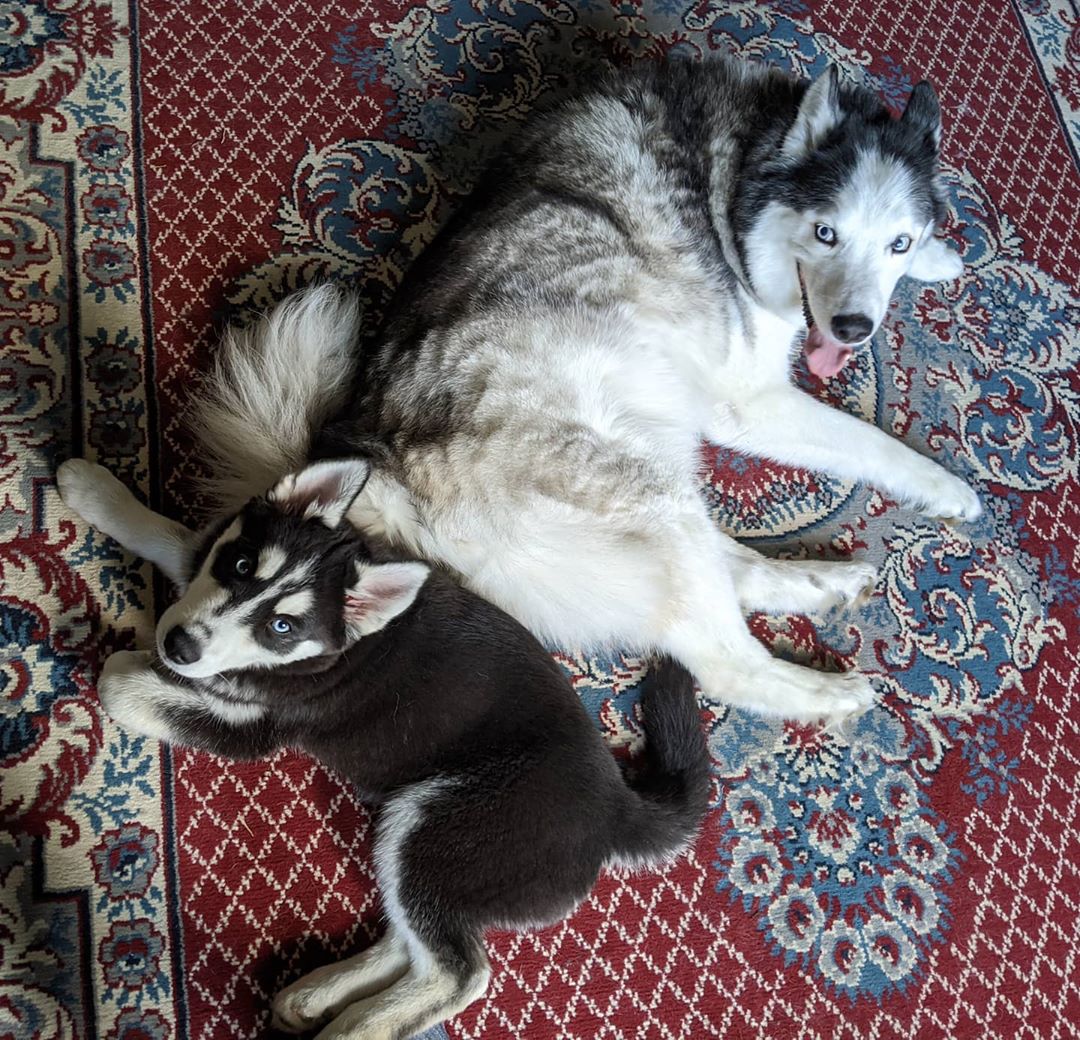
(630, 280)
(499, 800)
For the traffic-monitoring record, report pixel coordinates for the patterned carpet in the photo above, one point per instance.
(166, 165)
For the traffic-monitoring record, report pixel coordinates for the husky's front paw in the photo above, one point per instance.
(126, 692)
(950, 498)
(90, 490)
(126, 662)
(119, 677)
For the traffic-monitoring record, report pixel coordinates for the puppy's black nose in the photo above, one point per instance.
(180, 646)
(851, 328)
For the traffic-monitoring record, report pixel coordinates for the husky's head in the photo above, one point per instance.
(847, 205)
(285, 582)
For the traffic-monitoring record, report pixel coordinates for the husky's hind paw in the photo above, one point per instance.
(313, 1000)
(289, 1014)
(845, 584)
(90, 490)
(842, 724)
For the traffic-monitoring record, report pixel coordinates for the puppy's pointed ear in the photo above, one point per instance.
(818, 113)
(936, 262)
(323, 489)
(923, 113)
(382, 592)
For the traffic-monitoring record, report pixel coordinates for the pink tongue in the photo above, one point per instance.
(825, 356)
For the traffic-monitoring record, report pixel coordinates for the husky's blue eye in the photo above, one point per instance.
(282, 626)
(824, 233)
(901, 244)
(242, 566)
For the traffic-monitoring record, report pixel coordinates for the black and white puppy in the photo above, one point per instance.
(500, 802)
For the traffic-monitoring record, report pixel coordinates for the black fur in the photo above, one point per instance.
(531, 804)
(814, 180)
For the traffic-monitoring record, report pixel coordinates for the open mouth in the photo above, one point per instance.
(825, 356)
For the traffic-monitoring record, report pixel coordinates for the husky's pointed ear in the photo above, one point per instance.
(818, 113)
(936, 262)
(323, 489)
(923, 111)
(382, 592)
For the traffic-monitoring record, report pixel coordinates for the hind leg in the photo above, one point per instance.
(395, 989)
(752, 678)
(424, 996)
(327, 991)
(431, 964)
(798, 586)
(709, 635)
(101, 500)
(741, 672)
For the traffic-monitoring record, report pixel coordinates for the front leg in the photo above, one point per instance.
(790, 427)
(100, 499)
(141, 695)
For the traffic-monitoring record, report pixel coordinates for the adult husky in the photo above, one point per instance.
(629, 280)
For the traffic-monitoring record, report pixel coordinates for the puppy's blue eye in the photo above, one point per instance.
(901, 244)
(242, 567)
(281, 626)
(824, 233)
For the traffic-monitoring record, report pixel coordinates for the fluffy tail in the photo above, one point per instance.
(274, 383)
(672, 788)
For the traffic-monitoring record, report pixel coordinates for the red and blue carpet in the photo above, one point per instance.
(165, 164)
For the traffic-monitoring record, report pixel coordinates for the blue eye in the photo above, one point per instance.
(901, 244)
(242, 566)
(281, 626)
(824, 233)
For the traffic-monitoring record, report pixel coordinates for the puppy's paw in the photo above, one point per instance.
(126, 691)
(90, 490)
(119, 680)
(299, 1008)
(126, 663)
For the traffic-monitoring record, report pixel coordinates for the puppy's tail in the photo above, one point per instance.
(273, 384)
(671, 791)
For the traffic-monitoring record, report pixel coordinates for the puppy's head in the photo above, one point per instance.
(285, 580)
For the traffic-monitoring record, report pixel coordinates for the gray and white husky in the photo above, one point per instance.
(499, 801)
(630, 280)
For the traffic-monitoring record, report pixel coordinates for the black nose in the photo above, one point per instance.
(181, 647)
(851, 328)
